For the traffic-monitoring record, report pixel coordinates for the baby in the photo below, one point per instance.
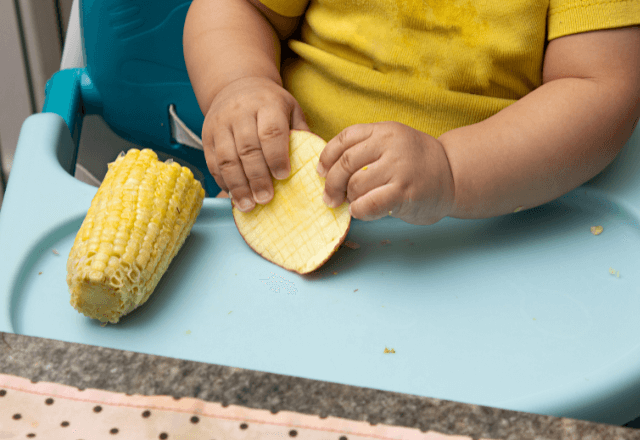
(431, 108)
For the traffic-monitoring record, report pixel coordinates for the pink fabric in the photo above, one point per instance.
(52, 411)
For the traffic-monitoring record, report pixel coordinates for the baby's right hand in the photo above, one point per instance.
(245, 138)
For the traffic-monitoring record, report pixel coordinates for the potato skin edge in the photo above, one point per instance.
(338, 244)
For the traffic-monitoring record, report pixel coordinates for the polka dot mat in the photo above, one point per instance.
(59, 412)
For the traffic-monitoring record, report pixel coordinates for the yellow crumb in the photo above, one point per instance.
(596, 230)
(188, 332)
(229, 313)
(386, 350)
(519, 208)
(39, 273)
(364, 168)
(335, 273)
(612, 271)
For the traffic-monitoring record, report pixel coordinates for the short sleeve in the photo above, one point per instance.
(288, 8)
(568, 17)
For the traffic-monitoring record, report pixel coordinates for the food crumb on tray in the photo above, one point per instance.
(351, 244)
(55, 252)
(596, 230)
(612, 271)
(386, 350)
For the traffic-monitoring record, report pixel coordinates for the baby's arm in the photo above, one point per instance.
(232, 53)
(556, 137)
(225, 40)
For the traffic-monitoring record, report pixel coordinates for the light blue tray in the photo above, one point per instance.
(517, 312)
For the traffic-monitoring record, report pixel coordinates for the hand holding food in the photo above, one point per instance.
(296, 230)
(388, 168)
(245, 138)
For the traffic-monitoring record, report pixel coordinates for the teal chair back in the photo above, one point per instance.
(135, 70)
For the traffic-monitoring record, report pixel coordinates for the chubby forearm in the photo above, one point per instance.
(544, 145)
(558, 136)
(225, 40)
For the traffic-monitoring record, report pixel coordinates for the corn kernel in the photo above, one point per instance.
(596, 230)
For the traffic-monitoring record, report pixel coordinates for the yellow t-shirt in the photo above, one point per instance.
(431, 64)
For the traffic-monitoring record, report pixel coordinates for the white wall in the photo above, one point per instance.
(30, 50)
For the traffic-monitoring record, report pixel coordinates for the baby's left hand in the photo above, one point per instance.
(388, 166)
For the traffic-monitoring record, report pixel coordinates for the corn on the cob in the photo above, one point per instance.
(138, 220)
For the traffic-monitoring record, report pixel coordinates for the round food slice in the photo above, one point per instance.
(296, 230)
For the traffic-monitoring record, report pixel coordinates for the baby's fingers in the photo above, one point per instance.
(336, 147)
(208, 145)
(256, 172)
(298, 119)
(231, 168)
(273, 132)
(375, 204)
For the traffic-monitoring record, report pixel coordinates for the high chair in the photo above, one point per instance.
(528, 311)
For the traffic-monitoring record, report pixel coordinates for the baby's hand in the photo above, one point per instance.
(388, 166)
(245, 138)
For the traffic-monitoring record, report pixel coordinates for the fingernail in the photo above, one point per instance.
(262, 196)
(281, 174)
(245, 204)
(320, 169)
